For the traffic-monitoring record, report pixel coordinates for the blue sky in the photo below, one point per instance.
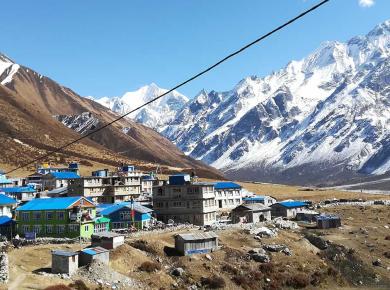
(105, 48)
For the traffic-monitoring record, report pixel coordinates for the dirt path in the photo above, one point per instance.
(17, 283)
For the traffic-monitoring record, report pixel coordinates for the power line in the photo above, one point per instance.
(177, 86)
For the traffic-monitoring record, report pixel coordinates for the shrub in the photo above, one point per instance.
(267, 268)
(213, 282)
(143, 246)
(316, 278)
(78, 285)
(149, 267)
(332, 271)
(230, 269)
(58, 287)
(298, 281)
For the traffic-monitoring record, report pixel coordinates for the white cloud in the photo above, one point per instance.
(366, 3)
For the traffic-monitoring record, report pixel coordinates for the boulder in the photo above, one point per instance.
(317, 241)
(261, 258)
(274, 247)
(177, 272)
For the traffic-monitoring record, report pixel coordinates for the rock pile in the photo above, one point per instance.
(99, 273)
(263, 232)
(282, 224)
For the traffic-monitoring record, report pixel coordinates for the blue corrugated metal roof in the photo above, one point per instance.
(17, 189)
(107, 210)
(89, 252)
(225, 185)
(65, 175)
(5, 220)
(254, 198)
(54, 203)
(293, 203)
(6, 200)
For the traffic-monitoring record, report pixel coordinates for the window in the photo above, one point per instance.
(60, 229)
(25, 216)
(124, 215)
(49, 229)
(36, 229)
(60, 215)
(25, 228)
(177, 204)
(73, 228)
(86, 228)
(49, 215)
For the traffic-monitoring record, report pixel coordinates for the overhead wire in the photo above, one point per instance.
(238, 51)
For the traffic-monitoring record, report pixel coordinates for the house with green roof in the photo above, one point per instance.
(57, 217)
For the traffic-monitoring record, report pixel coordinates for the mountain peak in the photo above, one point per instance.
(381, 29)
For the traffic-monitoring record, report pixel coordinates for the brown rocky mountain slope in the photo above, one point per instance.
(29, 102)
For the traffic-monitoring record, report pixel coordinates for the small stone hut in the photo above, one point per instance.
(64, 262)
(327, 221)
(196, 243)
(107, 240)
(251, 213)
(96, 253)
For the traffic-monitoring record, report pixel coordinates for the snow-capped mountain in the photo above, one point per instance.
(7, 69)
(156, 115)
(323, 118)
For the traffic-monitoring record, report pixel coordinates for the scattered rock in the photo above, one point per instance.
(377, 262)
(208, 257)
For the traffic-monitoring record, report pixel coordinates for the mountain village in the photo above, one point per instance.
(281, 182)
(106, 211)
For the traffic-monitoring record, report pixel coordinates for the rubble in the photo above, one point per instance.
(285, 224)
(263, 232)
(98, 273)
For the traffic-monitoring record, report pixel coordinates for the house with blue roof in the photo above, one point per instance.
(7, 204)
(4, 181)
(263, 199)
(20, 193)
(54, 180)
(7, 226)
(228, 195)
(288, 209)
(125, 215)
(57, 217)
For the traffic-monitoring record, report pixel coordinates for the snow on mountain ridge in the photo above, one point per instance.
(156, 114)
(328, 110)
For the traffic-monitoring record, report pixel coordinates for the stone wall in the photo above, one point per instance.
(4, 274)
